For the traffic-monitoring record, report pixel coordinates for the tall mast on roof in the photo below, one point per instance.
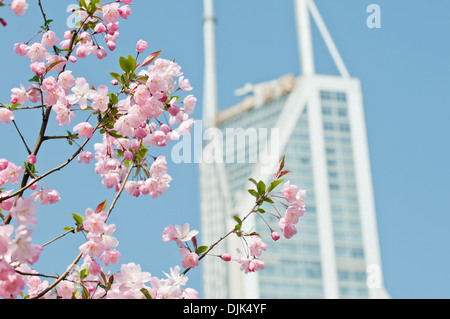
(210, 99)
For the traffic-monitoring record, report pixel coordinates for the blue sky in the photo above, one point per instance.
(404, 70)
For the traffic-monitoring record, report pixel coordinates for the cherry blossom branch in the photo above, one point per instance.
(37, 179)
(73, 230)
(66, 137)
(43, 13)
(24, 107)
(254, 210)
(80, 255)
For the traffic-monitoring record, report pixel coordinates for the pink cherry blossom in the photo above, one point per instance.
(6, 115)
(46, 197)
(22, 249)
(5, 238)
(49, 85)
(66, 80)
(11, 283)
(190, 259)
(178, 233)
(6, 204)
(141, 46)
(65, 289)
(189, 104)
(110, 13)
(256, 247)
(287, 228)
(86, 157)
(165, 289)
(184, 84)
(289, 192)
(248, 264)
(24, 212)
(3, 164)
(110, 256)
(101, 99)
(20, 49)
(19, 7)
(141, 95)
(19, 95)
(49, 39)
(81, 93)
(64, 114)
(37, 52)
(293, 213)
(12, 173)
(38, 68)
(190, 293)
(301, 196)
(84, 130)
(124, 12)
(95, 222)
(34, 95)
(132, 277)
(159, 167)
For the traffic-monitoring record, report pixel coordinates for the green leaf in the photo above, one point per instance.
(113, 98)
(125, 64)
(132, 63)
(116, 76)
(267, 199)
(78, 219)
(237, 219)
(253, 192)
(34, 79)
(114, 134)
(274, 184)
(84, 273)
(261, 188)
(83, 4)
(201, 250)
(261, 211)
(253, 181)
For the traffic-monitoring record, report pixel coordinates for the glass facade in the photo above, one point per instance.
(293, 267)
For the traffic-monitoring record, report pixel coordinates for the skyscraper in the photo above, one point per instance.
(317, 122)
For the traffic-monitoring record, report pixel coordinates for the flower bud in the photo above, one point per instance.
(32, 159)
(275, 235)
(226, 257)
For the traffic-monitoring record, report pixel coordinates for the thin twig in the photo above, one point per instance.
(59, 237)
(223, 238)
(21, 136)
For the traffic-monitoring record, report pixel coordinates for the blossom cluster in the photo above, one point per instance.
(182, 235)
(17, 250)
(90, 280)
(294, 211)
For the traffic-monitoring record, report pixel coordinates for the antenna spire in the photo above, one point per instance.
(210, 96)
(306, 49)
